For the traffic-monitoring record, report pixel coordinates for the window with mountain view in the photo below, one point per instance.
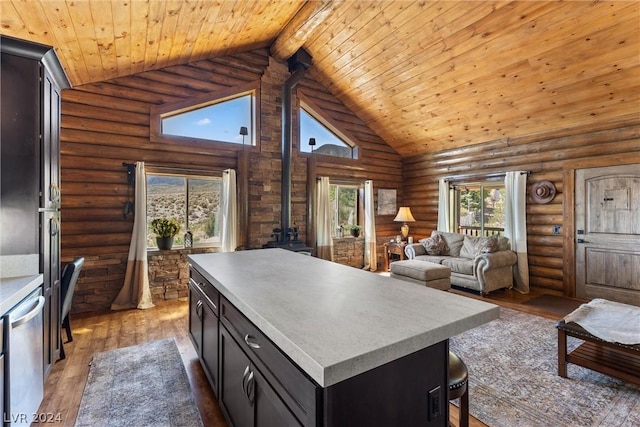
(193, 201)
(327, 141)
(218, 120)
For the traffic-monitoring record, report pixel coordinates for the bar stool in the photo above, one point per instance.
(458, 379)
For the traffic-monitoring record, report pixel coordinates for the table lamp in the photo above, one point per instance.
(404, 215)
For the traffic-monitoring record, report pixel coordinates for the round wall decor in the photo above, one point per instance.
(543, 192)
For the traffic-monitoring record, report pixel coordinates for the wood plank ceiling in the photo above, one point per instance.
(426, 76)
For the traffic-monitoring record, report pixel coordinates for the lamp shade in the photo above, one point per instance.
(404, 215)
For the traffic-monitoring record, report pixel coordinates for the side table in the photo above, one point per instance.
(393, 252)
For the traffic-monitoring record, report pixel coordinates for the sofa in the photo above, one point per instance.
(484, 264)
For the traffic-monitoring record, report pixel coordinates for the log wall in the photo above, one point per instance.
(105, 124)
(552, 157)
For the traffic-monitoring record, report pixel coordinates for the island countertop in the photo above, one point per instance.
(336, 321)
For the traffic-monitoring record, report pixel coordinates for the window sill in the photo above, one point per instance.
(345, 238)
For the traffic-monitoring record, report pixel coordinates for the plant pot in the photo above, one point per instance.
(355, 233)
(164, 243)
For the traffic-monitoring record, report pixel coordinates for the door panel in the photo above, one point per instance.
(235, 367)
(608, 233)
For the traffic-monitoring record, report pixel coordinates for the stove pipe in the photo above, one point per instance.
(298, 64)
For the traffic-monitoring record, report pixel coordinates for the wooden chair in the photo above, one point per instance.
(68, 285)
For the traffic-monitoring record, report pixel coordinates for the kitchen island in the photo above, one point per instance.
(336, 345)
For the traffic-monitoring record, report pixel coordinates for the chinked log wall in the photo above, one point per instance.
(552, 157)
(107, 123)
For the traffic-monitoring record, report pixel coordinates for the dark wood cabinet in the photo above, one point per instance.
(31, 83)
(246, 397)
(203, 327)
(4, 416)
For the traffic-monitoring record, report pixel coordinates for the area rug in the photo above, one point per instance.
(143, 385)
(513, 381)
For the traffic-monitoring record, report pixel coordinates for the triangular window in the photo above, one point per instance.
(317, 136)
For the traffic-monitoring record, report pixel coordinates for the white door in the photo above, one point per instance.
(607, 213)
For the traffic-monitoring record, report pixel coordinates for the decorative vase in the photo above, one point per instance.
(164, 243)
(188, 239)
(355, 233)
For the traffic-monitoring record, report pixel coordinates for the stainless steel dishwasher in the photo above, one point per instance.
(24, 360)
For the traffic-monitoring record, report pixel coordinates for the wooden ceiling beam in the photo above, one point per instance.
(298, 29)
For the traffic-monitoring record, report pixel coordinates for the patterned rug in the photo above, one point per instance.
(513, 378)
(143, 385)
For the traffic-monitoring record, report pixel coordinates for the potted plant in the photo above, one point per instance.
(355, 230)
(165, 229)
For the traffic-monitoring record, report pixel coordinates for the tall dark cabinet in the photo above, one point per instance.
(31, 81)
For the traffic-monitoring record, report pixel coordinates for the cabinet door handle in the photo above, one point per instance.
(250, 388)
(244, 380)
(199, 309)
(54, 192)
(252, 344)
(55, 226)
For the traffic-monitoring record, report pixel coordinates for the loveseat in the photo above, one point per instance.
(480, 263)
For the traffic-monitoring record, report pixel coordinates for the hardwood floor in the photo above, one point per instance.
(105, 331)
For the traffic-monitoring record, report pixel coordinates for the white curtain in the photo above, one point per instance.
(443, 206)
(324, 241)
(229, 211)
(136, 293)
(515, 225)
(370, 255)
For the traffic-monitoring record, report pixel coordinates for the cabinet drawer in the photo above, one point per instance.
(207, 289)
(298, 391)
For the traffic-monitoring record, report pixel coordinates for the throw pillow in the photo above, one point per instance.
(434, 245)
(503, 243)
(487, 245)
(476, 246)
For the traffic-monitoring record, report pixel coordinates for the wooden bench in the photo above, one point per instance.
(617, 360)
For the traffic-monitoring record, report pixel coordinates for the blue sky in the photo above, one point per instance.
(311, 128)
(218, 122)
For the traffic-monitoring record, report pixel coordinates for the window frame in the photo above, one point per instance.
(315, 112)
(187, 176)
(359, 214)
(158, 112)
(456, 199)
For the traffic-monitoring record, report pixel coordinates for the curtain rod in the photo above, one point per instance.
(178, 169)
(487, 176)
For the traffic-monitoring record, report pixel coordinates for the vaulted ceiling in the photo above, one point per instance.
(426, 75)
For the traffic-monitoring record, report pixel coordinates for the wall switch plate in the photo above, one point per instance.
(556, 229)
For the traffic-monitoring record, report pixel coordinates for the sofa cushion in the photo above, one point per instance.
(431, 258)
(435, 245)
(459, 265)
(454, 242)
(476, 246)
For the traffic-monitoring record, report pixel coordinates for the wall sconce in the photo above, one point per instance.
(244, 132)
(404, 215)
(312, 143)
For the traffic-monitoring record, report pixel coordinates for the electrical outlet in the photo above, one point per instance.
(556, 229)
(435, 406)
